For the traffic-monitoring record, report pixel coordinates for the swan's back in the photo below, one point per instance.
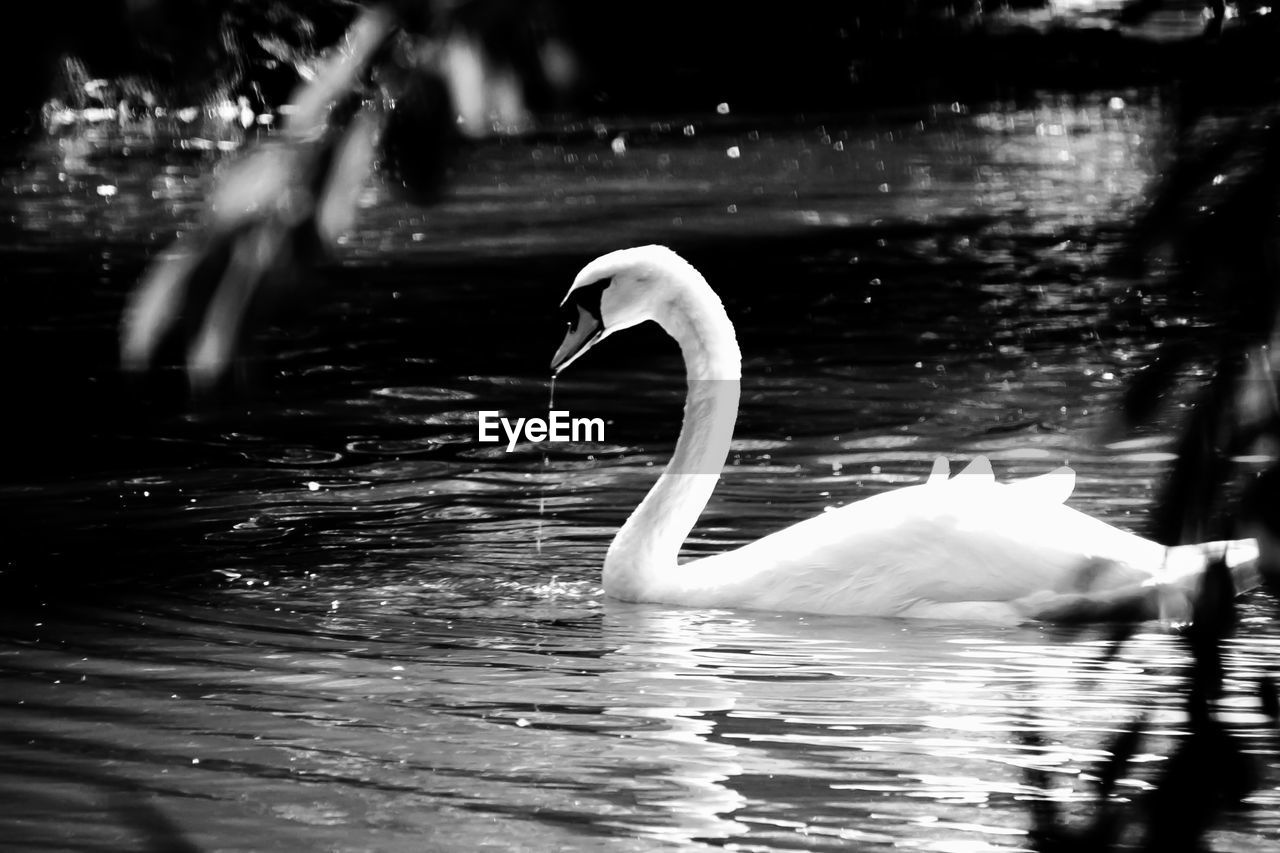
(963, 539)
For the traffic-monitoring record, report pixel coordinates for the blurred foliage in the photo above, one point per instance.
(1210, 234)
(178, 52)
(1209, 772)
(404, 82)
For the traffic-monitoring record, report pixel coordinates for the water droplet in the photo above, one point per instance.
(734, 152)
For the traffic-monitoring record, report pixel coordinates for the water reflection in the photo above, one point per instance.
(348, 637)
(1045, 168)
(373, 712)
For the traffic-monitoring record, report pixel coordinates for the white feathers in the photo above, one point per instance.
(980, 470)
(1054, 487)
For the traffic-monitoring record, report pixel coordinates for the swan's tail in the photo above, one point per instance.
(1178, 582)
(1168, 595)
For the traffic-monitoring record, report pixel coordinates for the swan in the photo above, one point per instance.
(959, 547)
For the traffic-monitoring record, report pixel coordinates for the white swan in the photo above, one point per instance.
(963, 547)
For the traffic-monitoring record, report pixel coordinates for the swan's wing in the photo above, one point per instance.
(969, 540)
(967, 547)
(940, 472)
(980, 470)
(1053, 487)
(887, 554)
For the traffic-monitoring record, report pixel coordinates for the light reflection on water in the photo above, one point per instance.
(1058, 164)
(350, 640)
(542, 716)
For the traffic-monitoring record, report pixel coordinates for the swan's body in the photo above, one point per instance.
(964, 547)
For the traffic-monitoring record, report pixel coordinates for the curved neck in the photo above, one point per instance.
(642, 558)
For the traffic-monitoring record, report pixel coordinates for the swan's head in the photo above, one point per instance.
(620, 290)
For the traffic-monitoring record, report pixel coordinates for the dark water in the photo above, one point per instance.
(323, 616)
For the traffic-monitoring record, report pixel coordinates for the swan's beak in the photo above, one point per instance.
(583, 333)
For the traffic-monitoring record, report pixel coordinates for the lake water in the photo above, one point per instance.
(322, 616)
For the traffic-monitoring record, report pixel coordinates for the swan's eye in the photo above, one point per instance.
(572, 312)
(586, 299)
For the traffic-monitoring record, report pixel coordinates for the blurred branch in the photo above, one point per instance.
(1214, 216)
(268, 222)
(1208, 772)
(394, 86)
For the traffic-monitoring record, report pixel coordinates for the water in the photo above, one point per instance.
(316, 617)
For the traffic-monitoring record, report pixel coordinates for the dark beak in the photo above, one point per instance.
(584, 331)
